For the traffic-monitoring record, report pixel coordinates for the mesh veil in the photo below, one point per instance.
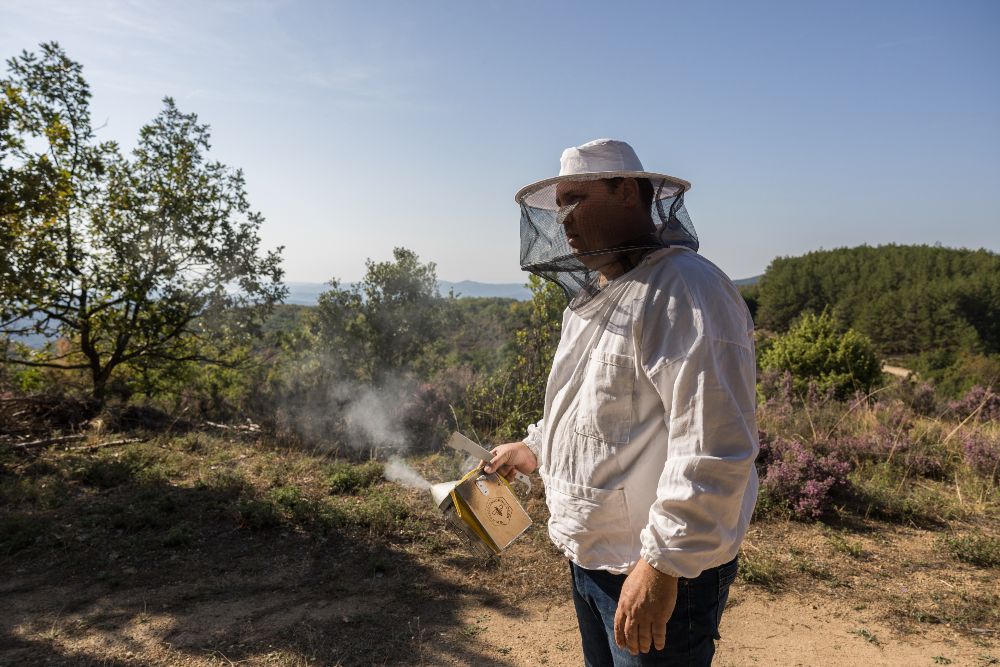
(547, 252)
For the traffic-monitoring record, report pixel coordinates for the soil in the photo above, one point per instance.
(259, 606)
(757, 629)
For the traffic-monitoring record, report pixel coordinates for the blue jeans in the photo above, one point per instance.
(691, 631)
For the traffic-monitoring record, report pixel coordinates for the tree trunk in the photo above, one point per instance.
(100, 378)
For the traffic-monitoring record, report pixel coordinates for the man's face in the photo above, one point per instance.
(601, 217)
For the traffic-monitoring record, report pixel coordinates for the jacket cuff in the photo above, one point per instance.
(659, 564)
(533, 447)
(534, 441)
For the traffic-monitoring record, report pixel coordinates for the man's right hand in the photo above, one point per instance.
(509, 457)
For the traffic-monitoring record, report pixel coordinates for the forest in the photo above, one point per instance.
(933, 309)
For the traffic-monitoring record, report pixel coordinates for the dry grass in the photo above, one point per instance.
(203, 550)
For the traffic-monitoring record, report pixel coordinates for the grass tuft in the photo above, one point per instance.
(18, 532)
(759, 570)
(974, 548)
(344, 477)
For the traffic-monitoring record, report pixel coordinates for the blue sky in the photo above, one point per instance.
(365, 125)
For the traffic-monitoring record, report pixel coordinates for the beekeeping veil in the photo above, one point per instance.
(572, 260)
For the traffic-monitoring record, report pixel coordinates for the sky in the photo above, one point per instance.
(361, 126)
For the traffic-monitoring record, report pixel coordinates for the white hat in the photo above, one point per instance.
(598, 159)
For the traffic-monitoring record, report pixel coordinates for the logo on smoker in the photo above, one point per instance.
(500, 511)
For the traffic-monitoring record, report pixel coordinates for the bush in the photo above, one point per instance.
(257, 514)
(982, 402)
(814, 351)
(500, 407)
(350, 478)
(797, 479)
(955, 372)
(920, 397)
(106, 473)
(982, 454)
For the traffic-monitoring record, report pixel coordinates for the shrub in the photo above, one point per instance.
(289, 502)
(106, 473)
(982, 453)
(427, 417)
(501, 406)
(258, 514)
(920, 397)
(350, 478)
(380, 510)
(982, 402)
(813, 350)
(776, 392)
(798, 479)
(892, 449)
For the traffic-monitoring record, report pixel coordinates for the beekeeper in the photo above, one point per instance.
(648, 438)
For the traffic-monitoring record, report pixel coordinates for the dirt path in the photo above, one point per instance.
(897, 371)
(757, 630)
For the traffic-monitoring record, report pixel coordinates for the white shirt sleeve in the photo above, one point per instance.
(534, 439)
(708, 485)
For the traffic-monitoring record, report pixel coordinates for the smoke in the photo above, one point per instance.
(387, 419)
(373, 418)
(397, 470)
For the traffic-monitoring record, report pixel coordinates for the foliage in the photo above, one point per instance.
(501, 406)
(955, 372)
(918, 396)
(481, 333)
(148, 261)
(907, 299)
(751, 295)
(345, 477)
(387, 322)
(975, 548)
(982, 453)
(813, 351)
(797, 479)
(979, 403)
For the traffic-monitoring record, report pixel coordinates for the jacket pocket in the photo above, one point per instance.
(604, 409)
(591, 525)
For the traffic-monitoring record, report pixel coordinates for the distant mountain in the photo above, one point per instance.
(307, 294)
(752, 280)
(497, 290)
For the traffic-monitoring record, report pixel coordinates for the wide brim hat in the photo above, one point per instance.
(596, 160)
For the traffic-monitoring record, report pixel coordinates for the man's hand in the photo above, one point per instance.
(644, 607)
(509, 457)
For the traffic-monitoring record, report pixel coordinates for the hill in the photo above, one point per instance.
(307, 294)
(909, 299)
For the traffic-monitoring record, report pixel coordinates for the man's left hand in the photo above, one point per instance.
(644, 607)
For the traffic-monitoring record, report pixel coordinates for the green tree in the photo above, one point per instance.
(145, 261)
(815, 351)
(907, 299)
(50, 169)
(386, 323)
(505, 403)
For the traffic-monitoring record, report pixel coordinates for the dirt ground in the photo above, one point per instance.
(757, 629)
(366, 621)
